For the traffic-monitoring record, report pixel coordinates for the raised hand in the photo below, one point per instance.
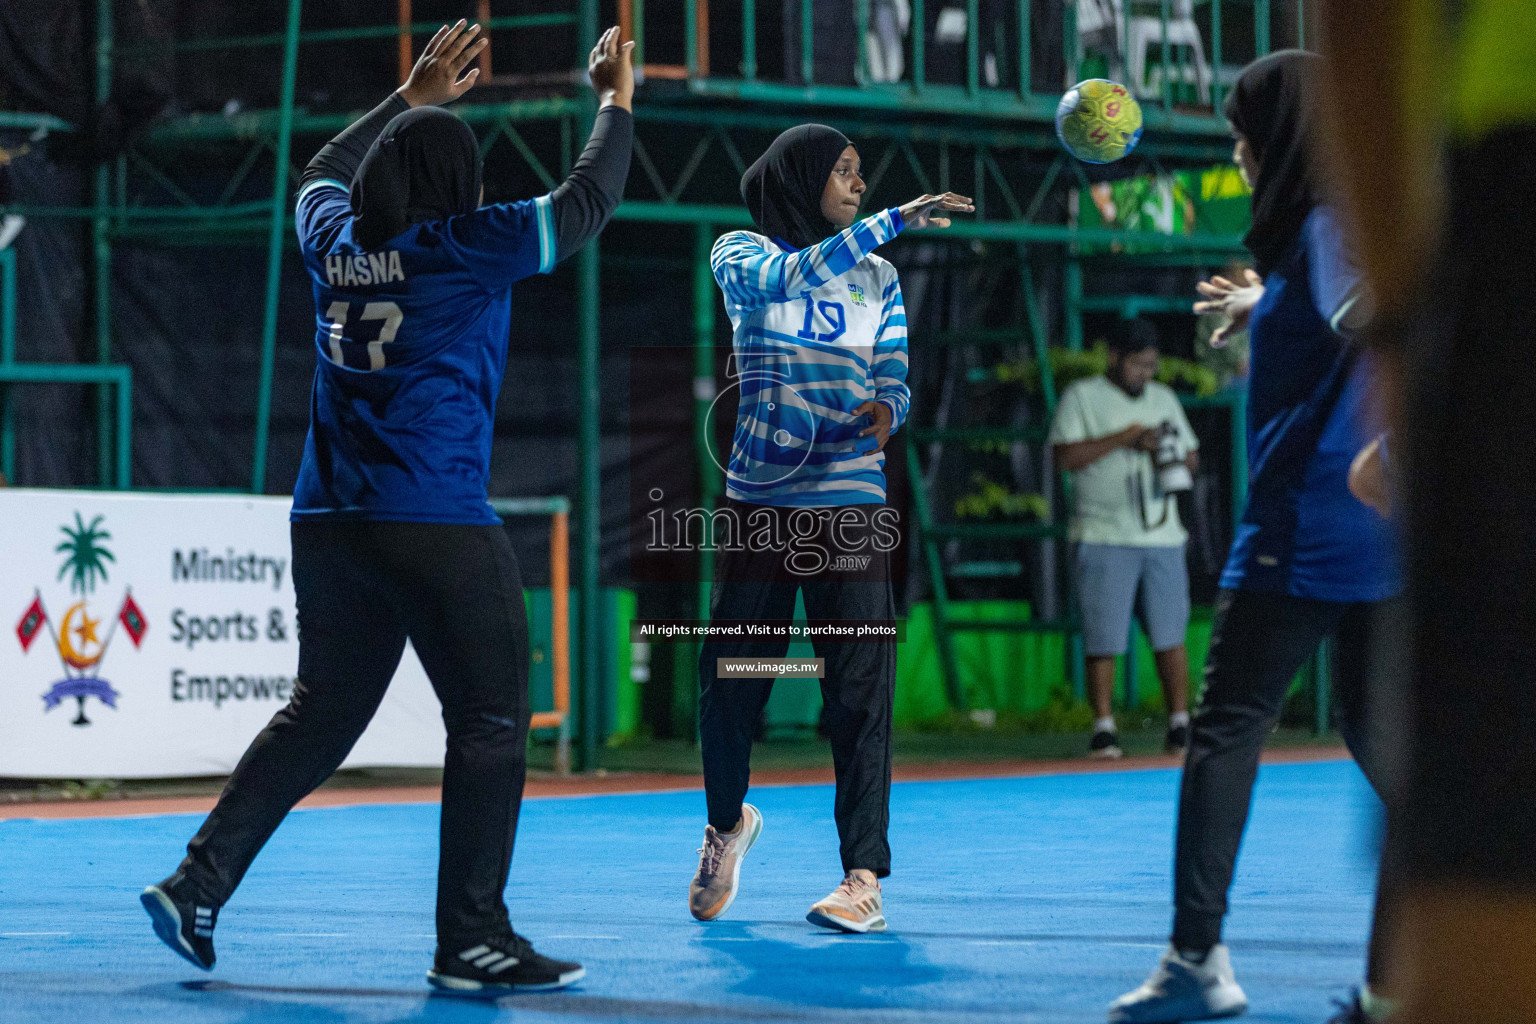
(612, 73)
(435, 79)
(927, 211)
(1234, 301)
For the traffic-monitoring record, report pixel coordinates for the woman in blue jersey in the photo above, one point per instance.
(393, 538)
(1308, 561)
(820, 357)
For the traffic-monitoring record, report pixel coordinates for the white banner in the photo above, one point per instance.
(154, 636)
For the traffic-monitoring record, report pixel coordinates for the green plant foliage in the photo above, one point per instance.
(992, 500)
(89, 789)
(1187, 376)
(1069, 367)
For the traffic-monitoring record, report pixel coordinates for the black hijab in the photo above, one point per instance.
(783, 188)
(424, 166)
(1274, 107)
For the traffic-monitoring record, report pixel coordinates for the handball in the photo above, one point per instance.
(1098, 121)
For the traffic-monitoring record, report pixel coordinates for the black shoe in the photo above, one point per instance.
(1350, 1013)
(1105, 744)
(1177, 740)
(182, 920)
(499, 966)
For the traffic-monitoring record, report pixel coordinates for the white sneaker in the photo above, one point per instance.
(1181, 990)
(854, 906)
(713, 888)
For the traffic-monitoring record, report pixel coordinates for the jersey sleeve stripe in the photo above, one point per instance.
(1353, 313)
(320, 183)
(544, 206)
(752, 276)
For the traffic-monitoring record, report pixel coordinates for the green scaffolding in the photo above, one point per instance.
(973, 118)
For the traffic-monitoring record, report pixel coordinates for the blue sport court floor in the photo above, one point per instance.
(1020, 899)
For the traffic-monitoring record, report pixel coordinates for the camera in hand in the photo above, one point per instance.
(1168, 461)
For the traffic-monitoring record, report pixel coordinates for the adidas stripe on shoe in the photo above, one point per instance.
(854, 906)
(181, 922)
(495, 968)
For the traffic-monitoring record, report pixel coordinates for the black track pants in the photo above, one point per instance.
(363, 589)
(858, 690)
(1258, 643)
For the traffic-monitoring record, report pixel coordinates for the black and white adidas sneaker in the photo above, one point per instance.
(499, 966)
(182, 921)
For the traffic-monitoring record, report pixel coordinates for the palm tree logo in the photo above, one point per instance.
(82, 639)
(84, 554)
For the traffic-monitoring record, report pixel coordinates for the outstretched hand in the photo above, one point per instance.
(611, 71)
(920, 212)
(435, 79)
(1234, 301)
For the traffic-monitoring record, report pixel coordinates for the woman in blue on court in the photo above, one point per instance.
(1308, 561)
(393, 537)
(820, 350)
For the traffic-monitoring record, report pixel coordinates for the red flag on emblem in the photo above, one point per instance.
(31, 623)
(133, 620)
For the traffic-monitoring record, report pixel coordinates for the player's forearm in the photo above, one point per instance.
(834, 257)
(753, 275)
(898, 399)
(339, 159)
(891, 388)
(890, 367)
(583, 204)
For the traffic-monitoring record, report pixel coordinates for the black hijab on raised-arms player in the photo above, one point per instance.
(425, 166)
(783, 187)
(1273, 107)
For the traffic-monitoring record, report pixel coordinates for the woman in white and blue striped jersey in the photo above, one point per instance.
(820, 358)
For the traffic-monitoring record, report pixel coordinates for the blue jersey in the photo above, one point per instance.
(1309, 414)
(412, 345)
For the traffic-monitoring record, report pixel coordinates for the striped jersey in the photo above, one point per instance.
(818, 331)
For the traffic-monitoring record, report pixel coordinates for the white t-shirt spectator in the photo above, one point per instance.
(1105, 492)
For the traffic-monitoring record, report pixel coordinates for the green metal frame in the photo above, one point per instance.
(711, 485)
(932, 532)
(275, 247)
(552, 505)
(101, 248)
(7, 359)
(918, 122)
(110, 376)
(118, 469)
(588, 523)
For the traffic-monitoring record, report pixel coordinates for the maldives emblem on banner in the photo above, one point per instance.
(82, 639)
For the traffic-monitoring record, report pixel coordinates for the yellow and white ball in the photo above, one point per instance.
(1099, 121)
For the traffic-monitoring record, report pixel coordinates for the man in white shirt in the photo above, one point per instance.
(1126, 525)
